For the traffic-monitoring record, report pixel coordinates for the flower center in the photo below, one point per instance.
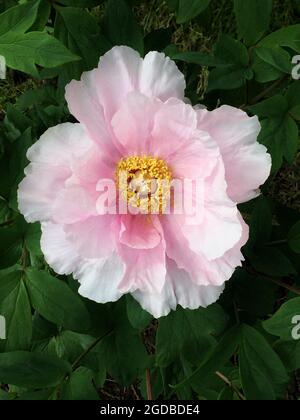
(144, 182)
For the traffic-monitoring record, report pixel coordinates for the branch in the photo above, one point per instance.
(269, 89)
(230, 384)
(282, 284)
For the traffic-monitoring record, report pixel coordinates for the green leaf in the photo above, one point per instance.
(275, 106)
(279, 131)
(284, 37)
(231, 59)
(43, 15)
(290, 136)
(9, 280)
(123, 362)
(5, 211)
(261, 223)
(272, 262)
(33, 239)
(253, 294)
(276, 57)
(226, 78)
(31, 370)
(289, 352)
(185, 331)
(23, 51)
(230, 51)
(70, 24)
(194, 57)
(263, 374)
(293, 95)
(215, 360)
(19, 18)
(11, 245)
(189, 9)
(294, 238)
(79, 386)
(81, 3)
(264, 72)
(55, 301)
(138, 318)
(253, 18)
(282, 322)
(120, 26)
(16, 309)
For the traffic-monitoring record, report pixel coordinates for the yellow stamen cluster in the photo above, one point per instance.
(144, 182)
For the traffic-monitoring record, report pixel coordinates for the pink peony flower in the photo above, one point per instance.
(133, 116)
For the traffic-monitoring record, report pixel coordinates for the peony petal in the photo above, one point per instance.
(38, 190)
(161, 78)
(58, 251)
(60, 145)
(219, 228)
(145, 268)
(94, 237)
(52, 157)
(140, 231)
(247, 163)
(201, 270)
(100, 279)
(174, 124)
(73, 204)
(98, 95)
(133, 123)
(92, 167)
(178, 290)
(116, 76)
(196, 158)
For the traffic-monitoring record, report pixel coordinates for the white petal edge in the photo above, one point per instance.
(59, 253)
(99, 279)
(178, 290)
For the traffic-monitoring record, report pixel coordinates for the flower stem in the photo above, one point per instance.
(149, 385)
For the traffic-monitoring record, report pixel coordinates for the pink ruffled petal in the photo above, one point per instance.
(178, 290)
(38, 190)
(217, 228)
(60, 145)
(145, 268)
(101, 92)
(93, 167)
(94, 237)
(247, 163)
(59, 253)
(140, 231)
(52, 157)
(100, 278)
(133, 123)
(160, 77)
(174, 125)
(196, 158)
(201, 270)
(72, 205)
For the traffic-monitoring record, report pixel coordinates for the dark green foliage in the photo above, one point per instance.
(61, 346)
